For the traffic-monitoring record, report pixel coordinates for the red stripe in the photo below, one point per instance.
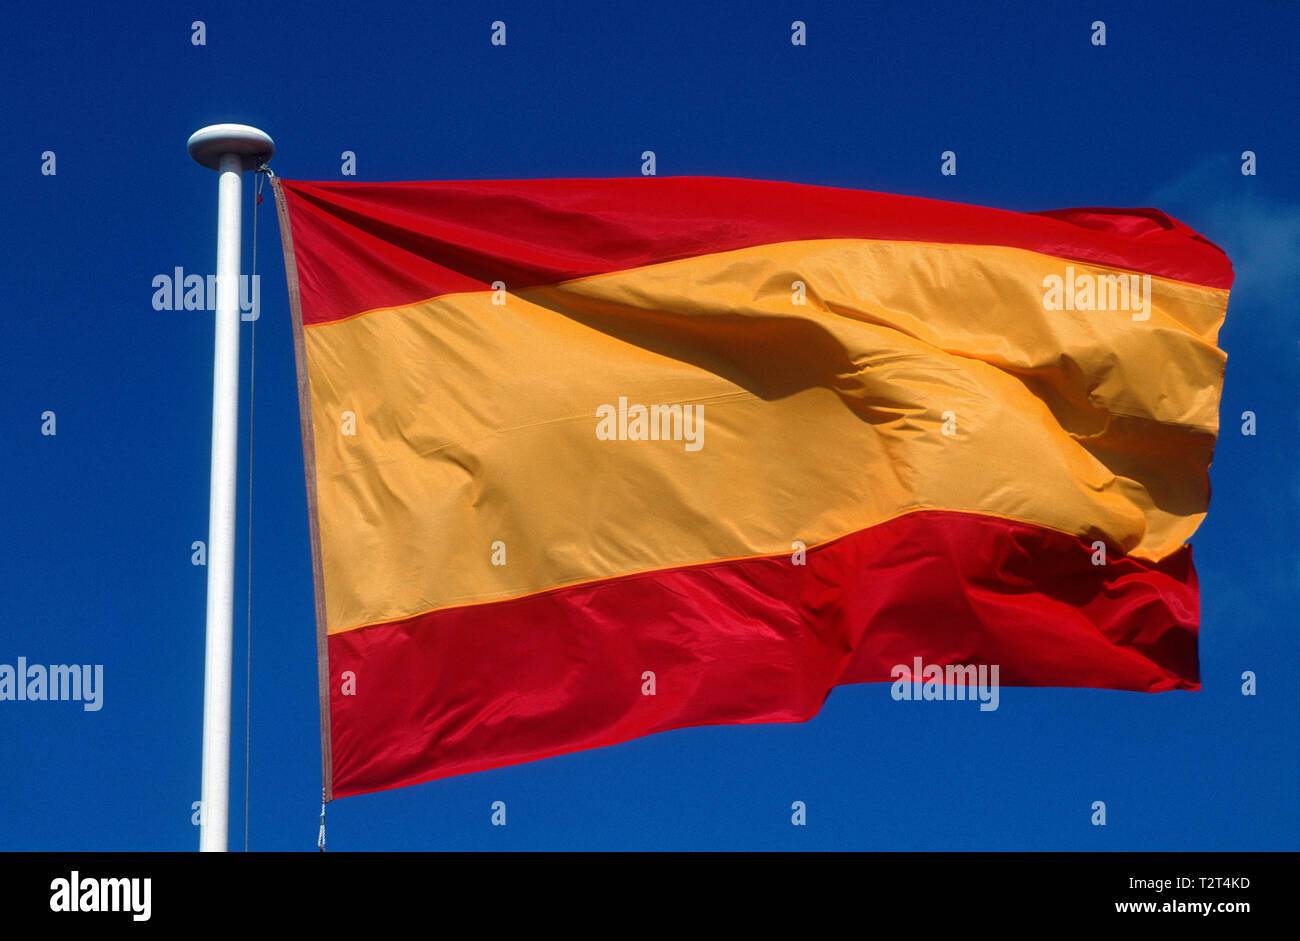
(756, 640)
(360, 246)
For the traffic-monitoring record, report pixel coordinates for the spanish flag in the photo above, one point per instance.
(592, 459)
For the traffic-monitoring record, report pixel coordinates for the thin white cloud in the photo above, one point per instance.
(1261, 235)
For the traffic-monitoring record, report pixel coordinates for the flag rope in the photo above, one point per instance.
(260, 179)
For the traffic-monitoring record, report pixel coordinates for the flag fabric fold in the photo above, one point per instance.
(591, 459)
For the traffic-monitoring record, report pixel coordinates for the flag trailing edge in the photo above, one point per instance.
(908, 428)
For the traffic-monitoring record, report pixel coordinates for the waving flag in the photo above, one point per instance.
(591, 459)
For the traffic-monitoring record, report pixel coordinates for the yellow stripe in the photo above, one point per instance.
(475, 424)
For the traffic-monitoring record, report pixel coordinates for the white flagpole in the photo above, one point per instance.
(230, 149)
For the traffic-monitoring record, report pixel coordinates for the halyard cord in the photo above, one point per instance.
(252, 386)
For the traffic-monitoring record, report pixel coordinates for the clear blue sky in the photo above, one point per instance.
(98, 520)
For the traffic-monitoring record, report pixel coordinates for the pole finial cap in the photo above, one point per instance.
(208, 144)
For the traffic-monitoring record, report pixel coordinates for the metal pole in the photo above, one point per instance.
(231, 149)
